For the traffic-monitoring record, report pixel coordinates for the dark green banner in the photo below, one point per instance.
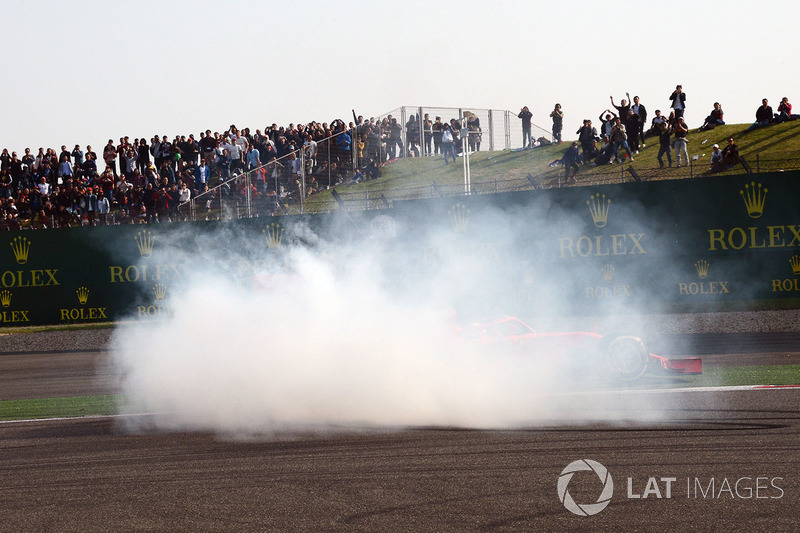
(698, 241)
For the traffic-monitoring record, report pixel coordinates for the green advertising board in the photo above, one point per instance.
(695, 241)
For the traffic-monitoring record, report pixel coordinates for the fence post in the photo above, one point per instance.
(421, 125)
(403, 120)
(507, 128)
(303, 179)
(491, 131)
(248, 200)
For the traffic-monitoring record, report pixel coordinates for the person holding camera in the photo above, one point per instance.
(678, 98)
(526, 116)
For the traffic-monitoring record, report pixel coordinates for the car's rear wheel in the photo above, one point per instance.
(626, 358)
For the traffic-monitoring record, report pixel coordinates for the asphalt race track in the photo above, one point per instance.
(90, 474)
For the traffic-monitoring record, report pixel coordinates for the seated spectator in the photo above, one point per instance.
(372, 170)
(716, 160)
(785, 111)
(763, 116)
(714, 119)
(730, 154)
(606, 152)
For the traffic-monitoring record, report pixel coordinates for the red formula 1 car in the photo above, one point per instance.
(624, 357)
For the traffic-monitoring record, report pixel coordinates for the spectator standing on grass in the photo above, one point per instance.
(447, 143)
(620, 139)
(570, 159)
(526, 116)
(558, 122)
(437, 128)
(680, 130)
(664, 143)
(586, 135)
(412, 136)
(623, 107)
(427, 133)
(763, 116)
(641, 112)
(395, 139)
(678, 99)
(632, 126)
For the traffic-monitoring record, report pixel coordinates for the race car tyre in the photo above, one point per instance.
(626, 358)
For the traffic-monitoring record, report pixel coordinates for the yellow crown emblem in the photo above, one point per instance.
(702, 267)
(145, 241)
(598, 207)
(160, 291)
(21, 247)
(5, 298)
(459, 216)
(795, 262)
(754, 197)
(608, 272)
(83, 295)
(274, 234)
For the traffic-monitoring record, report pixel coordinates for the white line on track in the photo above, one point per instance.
(84, 417)
(728, 388)
(571, 393)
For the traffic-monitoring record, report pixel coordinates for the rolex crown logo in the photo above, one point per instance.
(795, 262)
(598, 207)
(702, 267)
(608, 272)
(754, 197)
(274, 234)
(145, 241)
(83, 295)
(21, 246)
(459, 216)
(5, 298)
(160, 291)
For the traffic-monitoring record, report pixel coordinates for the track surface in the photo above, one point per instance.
(92, 475)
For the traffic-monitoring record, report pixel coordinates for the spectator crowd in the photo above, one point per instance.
(149, 180)
(624, 132)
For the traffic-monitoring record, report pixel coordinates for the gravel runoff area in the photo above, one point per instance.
(782, 321)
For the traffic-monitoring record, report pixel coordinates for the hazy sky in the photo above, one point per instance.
(86, 71)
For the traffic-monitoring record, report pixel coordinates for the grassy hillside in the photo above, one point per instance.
(772, 148)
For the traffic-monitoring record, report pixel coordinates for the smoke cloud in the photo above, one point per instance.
(329, 335)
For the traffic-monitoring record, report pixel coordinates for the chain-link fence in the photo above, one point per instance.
(289, 183)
